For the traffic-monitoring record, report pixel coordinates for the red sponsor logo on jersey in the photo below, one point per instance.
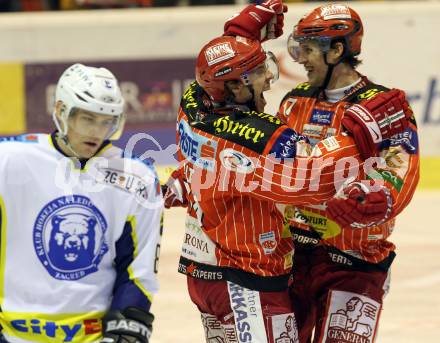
(207, 150)
(268, 242)
(31, 138)
(191, 269)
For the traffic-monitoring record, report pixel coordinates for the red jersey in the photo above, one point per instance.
(307, 112)
(236, 166)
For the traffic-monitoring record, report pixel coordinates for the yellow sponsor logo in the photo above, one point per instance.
(394, 157)
(46, 328)
(189, 97)
(325, 227)
(268, 117)
(227, 125)
(303, 86)
(369, 93)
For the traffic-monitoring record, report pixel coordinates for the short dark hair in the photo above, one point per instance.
(353, 61)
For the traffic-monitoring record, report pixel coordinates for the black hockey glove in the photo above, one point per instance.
(131, 325)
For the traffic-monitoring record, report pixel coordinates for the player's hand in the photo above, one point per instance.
(174, 191)
(258, 22)
(129, 326)
(356, 206)
(374, 120)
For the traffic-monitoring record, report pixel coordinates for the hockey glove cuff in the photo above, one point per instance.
(258, 22)
(374, 120)
(131, 325)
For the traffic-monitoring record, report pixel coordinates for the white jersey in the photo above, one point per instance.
(75, 242)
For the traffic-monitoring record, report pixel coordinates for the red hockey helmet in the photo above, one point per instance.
(227, 58)
(326, 24)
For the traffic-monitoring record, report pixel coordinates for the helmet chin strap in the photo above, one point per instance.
(330, 68)
(251, 104)
(64, 128)
(329, 74)
(68, 145)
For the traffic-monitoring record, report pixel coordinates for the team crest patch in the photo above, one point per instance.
(69, 237)
(268, 242)
(351, 318)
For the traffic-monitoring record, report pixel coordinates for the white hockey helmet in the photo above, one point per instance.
(90, 89)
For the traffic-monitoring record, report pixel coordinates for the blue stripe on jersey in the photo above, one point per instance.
(126, 293)
(285, 144)
(27, 138)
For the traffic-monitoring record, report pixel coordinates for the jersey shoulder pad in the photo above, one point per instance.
(367, 92)
(23, 148)
(146, 171)
(249, 129)
(130, 173)
(22, 145)
(138, 165)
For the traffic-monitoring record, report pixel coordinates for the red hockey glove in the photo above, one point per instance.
(258, 22)
(376, 119)
(174, 191)
(356, 206)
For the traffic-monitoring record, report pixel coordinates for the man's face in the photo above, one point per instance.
(312, 58)
(259, 78)
(87, 131)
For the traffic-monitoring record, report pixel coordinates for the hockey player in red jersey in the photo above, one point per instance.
(237, 163)
(341, 247)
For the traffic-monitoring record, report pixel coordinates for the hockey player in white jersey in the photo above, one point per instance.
(80, 224)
